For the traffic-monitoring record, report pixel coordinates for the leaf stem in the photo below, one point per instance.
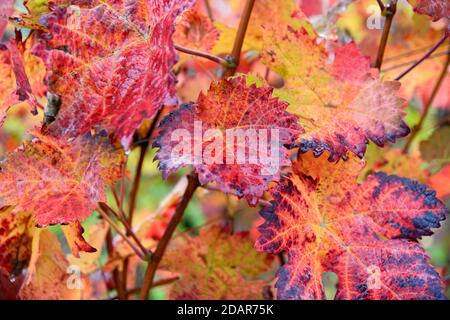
(427, 108)
(428, 54)
(394, 67)
(117, 229)
(193, 184)
(202, 54)
(387, 11)
(127, 226)
(240, 36)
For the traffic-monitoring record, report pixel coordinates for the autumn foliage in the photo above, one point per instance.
(256, 149)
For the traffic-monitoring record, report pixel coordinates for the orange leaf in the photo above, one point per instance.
(59, 181)
(114, 71)
(217, 265)
(366, 233)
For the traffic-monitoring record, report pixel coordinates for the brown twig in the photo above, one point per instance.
(152, 266)
(124, 221)
(239, 40)
(429, 53)
(397, 66)
(117, 229)
(202, 54)
(381, 4)
(388, 11)
(427, 107)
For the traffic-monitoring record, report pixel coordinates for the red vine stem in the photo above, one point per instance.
(428, 106)
(239, 40)
(388, 11)
(202, 54)
(152, 266)
(426, 56)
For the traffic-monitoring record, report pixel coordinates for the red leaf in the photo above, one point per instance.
(6, 9)
(74, 236)
(217, 265)
(23, 90)
(59, 181)
(111, 63)
(16, 232)
(228, 105)
(365, 233)
(436, 9)
(341, 104)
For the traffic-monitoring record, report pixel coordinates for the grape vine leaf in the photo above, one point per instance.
(232, 114)
(47, 275)
(195, 31)
(74, 236)
(217, 265)
(342, 104)
(111, 63)
(16, 233)
(58, 181)
(366, 233)
(436, 150)
(436, 9)
(88, 261)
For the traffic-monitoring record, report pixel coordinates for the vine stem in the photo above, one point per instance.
(239, 40)
(137, 177)
(193, 184)
(124, 221)
(202, 54)
(117, 229)
(428, 106)
(388, 11)
(426, 56)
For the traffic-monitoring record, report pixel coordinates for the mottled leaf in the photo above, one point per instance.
(365, 233)
(59, 181)
(111, 63)
(48, 276)
(341, 104)
(16, 233)
(195, 31)
(436, 9)
(217, 265)
(196, 134)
